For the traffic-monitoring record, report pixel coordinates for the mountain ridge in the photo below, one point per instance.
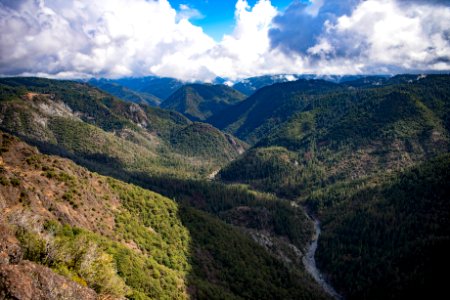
(368, 157)
(70, 118)
(142, 245)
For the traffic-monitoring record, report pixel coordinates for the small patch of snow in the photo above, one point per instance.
(421, 76)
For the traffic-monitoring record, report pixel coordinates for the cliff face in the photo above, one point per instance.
(65, 233)
(26, 280)
(30, 281)
(21, 278)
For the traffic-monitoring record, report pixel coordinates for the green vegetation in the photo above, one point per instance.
(331, 134)
(264, 167)
(392, 239)
(15, 181)
(75, 254)
(225, 201)
(269, 107)
(370, 161)
(364, 160)
(191, 141)
(229, 265)
(201, 101)
(108, 135)
(122, 240)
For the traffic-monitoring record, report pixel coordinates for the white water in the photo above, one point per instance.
(310, 262)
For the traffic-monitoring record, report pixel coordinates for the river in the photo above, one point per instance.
(309, 262)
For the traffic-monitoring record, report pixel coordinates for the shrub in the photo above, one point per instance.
(4, 181)
(15, 181)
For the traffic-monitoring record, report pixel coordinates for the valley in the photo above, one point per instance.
(309, 261)
(224, 150)
(208, 200)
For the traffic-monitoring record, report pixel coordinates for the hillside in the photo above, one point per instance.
(269, 107)
(370, 160)
(201, 101)
(92, 236)
(108, 135)
(394, 236)
(124, 93)
(339, 134)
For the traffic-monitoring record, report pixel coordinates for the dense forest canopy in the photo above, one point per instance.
(368, 157)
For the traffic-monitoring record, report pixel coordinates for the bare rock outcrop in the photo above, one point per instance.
(30, 281)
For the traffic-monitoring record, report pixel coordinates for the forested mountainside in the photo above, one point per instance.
(390, 240)
(125, 93)
(201, 101)
(313, 133)
(91, 127)
(70, 233)
(270, 106)
(370, 159)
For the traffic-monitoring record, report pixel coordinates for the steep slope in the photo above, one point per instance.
(124, 93)
(201, 101)
(371, 161)
(79, 224)
(121, 240)
(269, 107)
(340, 134)
(191, 141)
(106, 134)
(391, 240)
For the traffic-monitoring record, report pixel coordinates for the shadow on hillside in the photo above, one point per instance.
(225, 263)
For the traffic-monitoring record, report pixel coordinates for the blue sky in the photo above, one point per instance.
(218, 15)
(185, 38)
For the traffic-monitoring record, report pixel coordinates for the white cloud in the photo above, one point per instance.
(117, 38)
(105, 38)
(373, 36)
(382, 33)
(246, 52)
(187, 12)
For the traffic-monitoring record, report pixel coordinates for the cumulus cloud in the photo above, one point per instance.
(187, 12)
(372, 36)
(245, 52)
(299, 27)
(115, 38)
(102, 38)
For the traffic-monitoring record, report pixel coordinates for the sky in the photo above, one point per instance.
(234, 39)
(216, 17)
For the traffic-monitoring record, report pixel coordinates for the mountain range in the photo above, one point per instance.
(221, 192)
(87, 125)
